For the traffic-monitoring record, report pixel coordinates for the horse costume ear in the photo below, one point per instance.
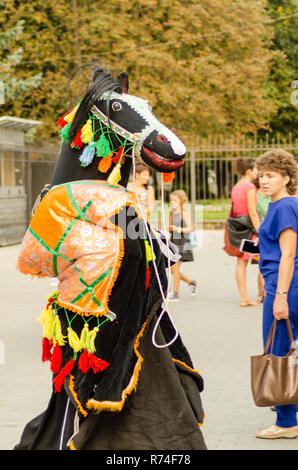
(97, 72)
(124, 82)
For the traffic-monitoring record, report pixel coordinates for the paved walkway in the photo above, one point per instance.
(219, 334)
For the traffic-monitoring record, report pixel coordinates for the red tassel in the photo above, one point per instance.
(97, 364)
(56, 359)
(61, 122)
(148, 278)
(84, 361)
(118, 156)
(59, 379)
(47, 345)
(77, 140)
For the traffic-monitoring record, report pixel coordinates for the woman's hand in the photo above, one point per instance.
(281, 307)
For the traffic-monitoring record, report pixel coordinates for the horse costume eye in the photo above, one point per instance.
(116, 106)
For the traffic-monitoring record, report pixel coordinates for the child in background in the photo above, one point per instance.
(180, 225)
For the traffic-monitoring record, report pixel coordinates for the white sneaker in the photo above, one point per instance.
(193, 287)
(174, 297)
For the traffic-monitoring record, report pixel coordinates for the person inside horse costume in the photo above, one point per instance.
(118, 381)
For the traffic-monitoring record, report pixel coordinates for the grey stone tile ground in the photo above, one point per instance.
(219, 334)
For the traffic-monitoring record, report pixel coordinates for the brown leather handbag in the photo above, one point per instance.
(274, 379)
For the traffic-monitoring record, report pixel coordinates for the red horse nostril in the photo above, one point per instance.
(162, 139)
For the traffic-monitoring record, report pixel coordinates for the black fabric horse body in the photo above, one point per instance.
(110, 384)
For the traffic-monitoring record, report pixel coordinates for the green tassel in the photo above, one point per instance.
(64, 132)
(103, 148)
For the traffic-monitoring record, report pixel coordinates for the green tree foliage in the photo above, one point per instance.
(204, 66)
(284, 69)
(10, 58)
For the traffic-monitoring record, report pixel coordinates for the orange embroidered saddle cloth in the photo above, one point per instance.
(71, 237)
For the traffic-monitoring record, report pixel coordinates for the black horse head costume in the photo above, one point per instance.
(111, 124)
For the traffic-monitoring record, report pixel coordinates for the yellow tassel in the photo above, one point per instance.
(73, 340)
(70, 116)
(148, 252)
(115, 176)
(87, 132)
(46, 319)
(57, 332)
(84, 336)
(91, 339)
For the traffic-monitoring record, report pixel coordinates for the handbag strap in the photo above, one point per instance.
(270, 338)
(232, 208)
(271, 335)
(290, 330)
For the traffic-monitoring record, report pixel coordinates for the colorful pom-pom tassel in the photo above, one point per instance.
(61, 122)
(46, 319)
(103, 148)
(53, 296)
(115, 176)
(77, 142)
(87, 132)
(69, 117)
(59, 379)
(120, 157)
(56, 360)
(84, 361)
(73, 340)
(57, 332)
(50, 301)
(149, 254)
(97, 364)
(91, 339)
(148, 278)
(105, 163)
(88, 154)
(47, 345)
(84, 336)
(168, 177)
(64, 132)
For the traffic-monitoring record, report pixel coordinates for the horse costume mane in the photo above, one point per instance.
(108, 290)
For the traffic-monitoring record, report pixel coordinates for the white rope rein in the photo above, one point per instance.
(165, 298)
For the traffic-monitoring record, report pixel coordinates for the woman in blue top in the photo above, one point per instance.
(279, 266)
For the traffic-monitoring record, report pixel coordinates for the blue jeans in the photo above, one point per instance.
(286, 414)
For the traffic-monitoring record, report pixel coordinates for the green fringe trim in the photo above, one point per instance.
(64, 132)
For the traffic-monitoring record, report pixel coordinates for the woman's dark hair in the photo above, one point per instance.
(283, 162)
(242, 164)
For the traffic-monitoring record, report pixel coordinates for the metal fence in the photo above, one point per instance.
(209, 173)
(24, 171)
